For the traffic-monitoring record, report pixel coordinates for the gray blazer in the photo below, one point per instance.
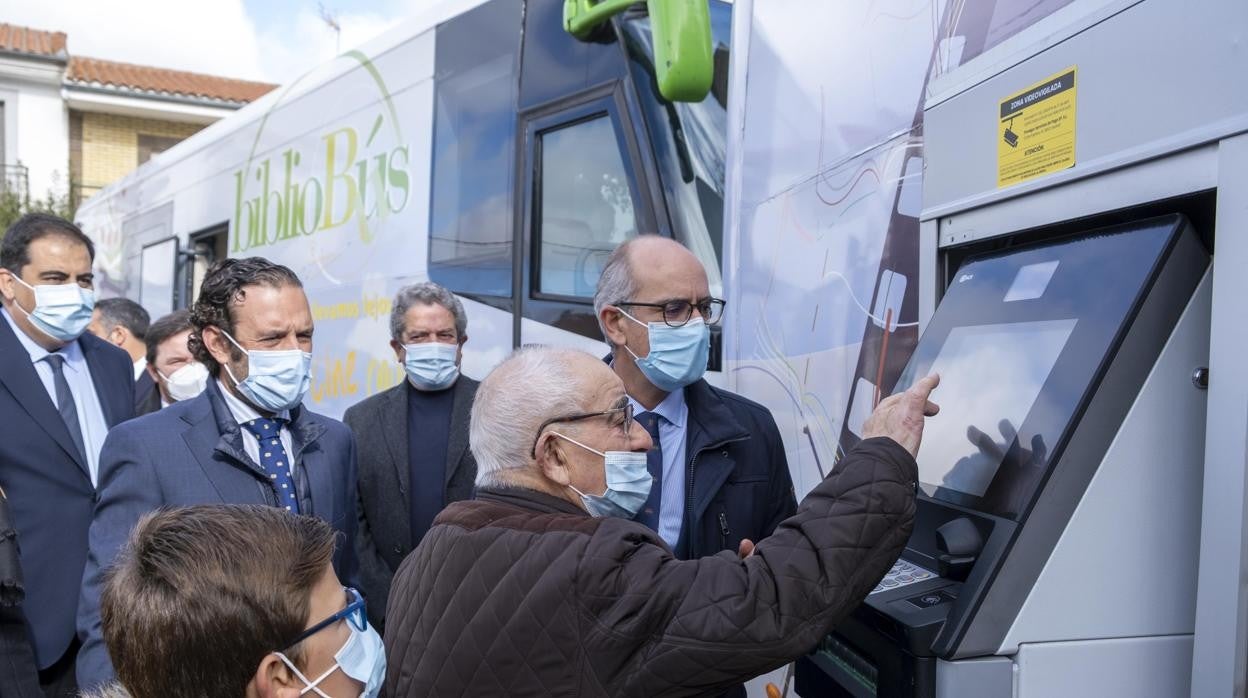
(383, 532)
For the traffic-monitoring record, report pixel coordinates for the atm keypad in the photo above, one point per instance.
(902, 574)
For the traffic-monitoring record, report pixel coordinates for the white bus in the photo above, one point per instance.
(856, 163)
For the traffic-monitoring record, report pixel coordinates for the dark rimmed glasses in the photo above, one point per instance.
(624, 420)
(355, 613)
(678, 313)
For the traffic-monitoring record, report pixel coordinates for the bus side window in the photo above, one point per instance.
(586, 206)
(471, 219)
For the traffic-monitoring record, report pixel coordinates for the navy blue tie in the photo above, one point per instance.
(649, 514)
(274, 461)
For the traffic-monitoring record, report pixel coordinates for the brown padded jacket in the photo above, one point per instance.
(518, 593)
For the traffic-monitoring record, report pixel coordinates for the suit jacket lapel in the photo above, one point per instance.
(216, 442)
(18, 374)
(392, 421)
(461, 413)
(107, 391)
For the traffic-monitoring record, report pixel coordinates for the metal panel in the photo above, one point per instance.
(1178, 174)
(975, 678)
(1139, 667)
(1133, 539)
(1221, 647)
(1137, 89)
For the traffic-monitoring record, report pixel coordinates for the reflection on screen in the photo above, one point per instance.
(990, 375)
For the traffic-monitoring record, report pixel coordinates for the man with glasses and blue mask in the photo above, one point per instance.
(721, 477)
(545, 585)
(246, 439)
(61, 390)
(412, 438)
(234, 602)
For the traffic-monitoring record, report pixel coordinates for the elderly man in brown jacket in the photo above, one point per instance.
(543, 585)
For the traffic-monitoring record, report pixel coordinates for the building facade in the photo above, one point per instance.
(72, 124)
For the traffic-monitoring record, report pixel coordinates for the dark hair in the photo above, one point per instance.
(201, 594)
(15, 248)
(124, 312)
(224, 286)
(174, 323)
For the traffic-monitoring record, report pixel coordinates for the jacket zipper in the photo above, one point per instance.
(694, 552)
(723, 530)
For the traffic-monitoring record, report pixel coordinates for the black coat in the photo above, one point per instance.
(737, 477)
(384, 532)
(146, 395)
(18, 676)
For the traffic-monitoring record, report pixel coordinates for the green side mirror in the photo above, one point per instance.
(683, 58)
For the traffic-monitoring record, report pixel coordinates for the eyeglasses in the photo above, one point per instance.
(622, 421)
(678, 313)
(355, 613)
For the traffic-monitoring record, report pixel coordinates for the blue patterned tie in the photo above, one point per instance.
(273, 461)
(649, 514)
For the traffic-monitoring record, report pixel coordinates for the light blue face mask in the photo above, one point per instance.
(677, 355)
(62, 311)
(362, 658)
(628, 483)
(276, 380)
(431, 366)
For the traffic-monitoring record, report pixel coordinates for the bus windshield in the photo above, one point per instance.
(688, 140)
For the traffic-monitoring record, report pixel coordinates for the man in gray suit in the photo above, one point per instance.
(413, 438)
(246, 439)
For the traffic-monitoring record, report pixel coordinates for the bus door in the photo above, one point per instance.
(585, 179)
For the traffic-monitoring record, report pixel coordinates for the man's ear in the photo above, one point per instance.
(118, 336)
(6, 284)
(152, 373)
(552, 459)
(612, 319)
(399, 352)
(273, 679)
(215, 342)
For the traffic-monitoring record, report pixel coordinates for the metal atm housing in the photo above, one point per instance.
(1090, 541)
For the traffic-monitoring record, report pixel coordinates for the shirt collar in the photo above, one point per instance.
(72, 352)
(243, 412)
(672, 408)
(139, 366)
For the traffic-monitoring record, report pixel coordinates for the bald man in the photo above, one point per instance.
(720, 474)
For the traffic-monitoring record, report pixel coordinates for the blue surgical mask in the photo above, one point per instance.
(431, 366)
(362, 658)
(628, 483)
(276, 380)
(62, 311)
(677, 355)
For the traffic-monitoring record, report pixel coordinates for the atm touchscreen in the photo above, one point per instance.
(1020, 340)
(991, 376)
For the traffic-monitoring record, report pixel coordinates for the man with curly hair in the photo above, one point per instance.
(246, 439)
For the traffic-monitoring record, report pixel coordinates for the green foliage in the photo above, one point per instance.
(13, 205)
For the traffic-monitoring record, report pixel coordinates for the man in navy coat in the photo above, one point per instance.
(245, 440)
(60, 392)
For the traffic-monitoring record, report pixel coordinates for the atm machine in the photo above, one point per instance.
(1082, 510)
(1048, 461)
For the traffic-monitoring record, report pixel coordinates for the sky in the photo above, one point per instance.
(265, 40)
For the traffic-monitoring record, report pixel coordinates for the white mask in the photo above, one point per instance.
(186, 382)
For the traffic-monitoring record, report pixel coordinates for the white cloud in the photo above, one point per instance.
(218, 37)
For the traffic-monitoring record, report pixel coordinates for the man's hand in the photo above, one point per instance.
(746, 548)
(900, 417)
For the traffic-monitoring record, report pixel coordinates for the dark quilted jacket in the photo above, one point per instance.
(518, 593)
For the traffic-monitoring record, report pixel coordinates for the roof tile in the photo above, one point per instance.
(128, 76)
(35, 42)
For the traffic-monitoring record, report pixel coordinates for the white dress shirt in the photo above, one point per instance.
(139, 366)
(244, 413)
(673, 420)
(78, 375)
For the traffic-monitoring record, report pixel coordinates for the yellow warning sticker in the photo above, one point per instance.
(1036, 134)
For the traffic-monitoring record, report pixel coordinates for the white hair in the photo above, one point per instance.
(534, 384)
